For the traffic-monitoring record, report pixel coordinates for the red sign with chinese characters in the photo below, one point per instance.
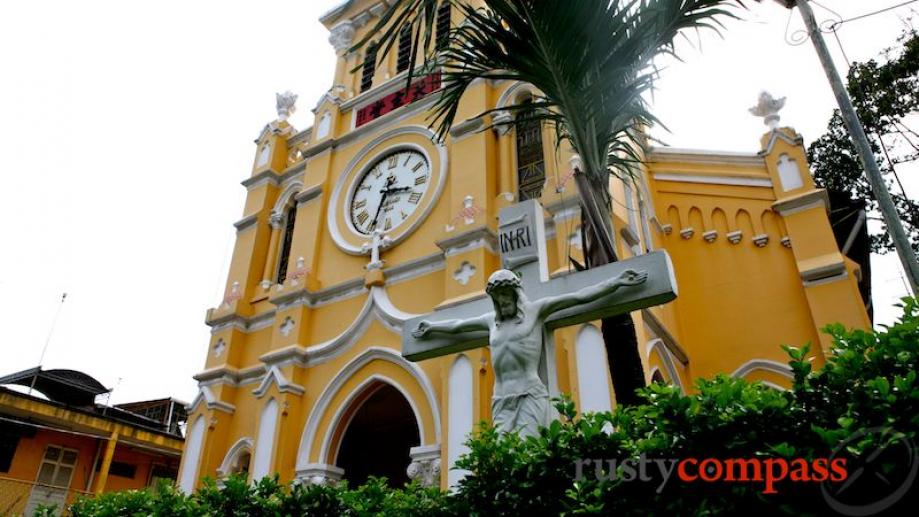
(419, 89)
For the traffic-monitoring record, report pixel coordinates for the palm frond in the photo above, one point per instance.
(592, 62)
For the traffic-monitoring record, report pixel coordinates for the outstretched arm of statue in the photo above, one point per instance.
(552, 304)
(426, 328)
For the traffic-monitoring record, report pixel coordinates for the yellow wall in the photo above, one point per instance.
(741, 295)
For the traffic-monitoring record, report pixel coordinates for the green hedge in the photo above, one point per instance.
(862, 405)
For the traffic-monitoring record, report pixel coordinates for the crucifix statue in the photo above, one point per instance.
(522, 306)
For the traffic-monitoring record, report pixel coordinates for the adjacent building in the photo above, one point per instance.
(57, 442)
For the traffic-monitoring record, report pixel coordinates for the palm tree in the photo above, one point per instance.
(592, 61)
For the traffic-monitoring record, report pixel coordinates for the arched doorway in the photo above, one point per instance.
(378, 436)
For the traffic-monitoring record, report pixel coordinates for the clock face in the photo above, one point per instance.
(389, 192)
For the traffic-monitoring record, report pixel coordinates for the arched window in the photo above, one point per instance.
(404, 56)
(263, 155)
(531, 165)
(370, 66)
(241, 464)
(287, 238)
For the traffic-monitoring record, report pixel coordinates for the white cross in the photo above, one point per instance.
(464, 273)
(522, 244)
(378, 241)
(287, 326)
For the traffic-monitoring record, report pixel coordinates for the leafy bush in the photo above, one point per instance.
(860, 407)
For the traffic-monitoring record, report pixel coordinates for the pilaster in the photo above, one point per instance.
(829, 284)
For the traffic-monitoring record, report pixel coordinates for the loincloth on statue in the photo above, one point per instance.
(522, 412)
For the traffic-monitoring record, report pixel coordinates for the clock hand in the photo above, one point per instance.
(373, 224)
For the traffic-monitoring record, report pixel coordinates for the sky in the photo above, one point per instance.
(126, 127)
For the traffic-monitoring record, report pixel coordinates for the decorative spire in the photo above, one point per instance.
(286, 104)
(768, 107)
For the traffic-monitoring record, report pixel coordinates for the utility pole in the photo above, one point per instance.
(866, 156)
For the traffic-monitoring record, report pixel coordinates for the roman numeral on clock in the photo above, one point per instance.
(392, 161)
(417, 166)
(362, 217)
(414, 198)
(388, 224)
(420, 179)
(360, 204)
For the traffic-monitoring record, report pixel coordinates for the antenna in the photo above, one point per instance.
(44, 349)
(108, 397)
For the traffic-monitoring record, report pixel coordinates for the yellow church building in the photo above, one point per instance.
(304, 375)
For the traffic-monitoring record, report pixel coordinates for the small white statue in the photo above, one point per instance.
(515, 331)
(768, 107)
(286, 104)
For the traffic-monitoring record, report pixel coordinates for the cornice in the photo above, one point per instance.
(470, 239)
(289, 354)
(268, 175)
(300, 137)
(702, 157)
(293, 170)
(390, 119)
(466, 128)
(781, 134)
(378, 92)
(229, 375)
(713, 179)
(304, 296)
(414, 268)
(812, 199)
(308, 194)
(246, 222)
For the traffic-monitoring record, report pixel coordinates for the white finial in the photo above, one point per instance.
(342, 35)
(286, 104)
(768, 107)
(377, 242)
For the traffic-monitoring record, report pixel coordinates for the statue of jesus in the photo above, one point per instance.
(515, 330)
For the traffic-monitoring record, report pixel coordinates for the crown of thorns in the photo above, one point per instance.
(502, 278)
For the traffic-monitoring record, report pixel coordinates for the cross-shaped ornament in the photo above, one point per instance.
(522, 306)
(378, 241)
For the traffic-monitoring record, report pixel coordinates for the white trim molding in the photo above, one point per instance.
(712, 179)
(274, 376)
(319, 474)
(243, 444)
(246, 222)
(813, 199)
(210, 400)
(290, 192)
(657, 345)
(767, 365)
(366, 158)
(347, 372)
(703, 157)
